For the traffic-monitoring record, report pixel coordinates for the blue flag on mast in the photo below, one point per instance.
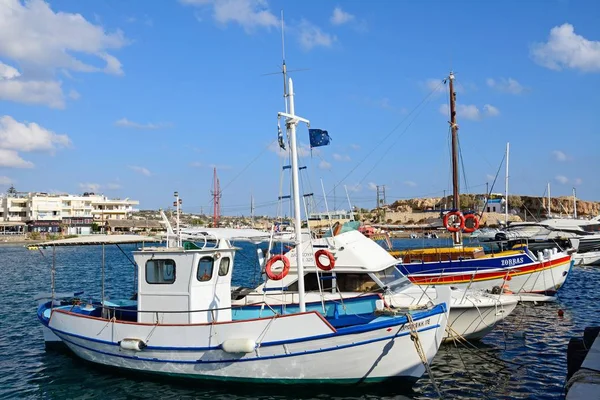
(318, 137)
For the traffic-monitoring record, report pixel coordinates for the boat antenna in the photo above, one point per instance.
(456, 236)
(283, 66)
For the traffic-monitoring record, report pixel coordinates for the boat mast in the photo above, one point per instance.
(549, 202)
(574, 204)
(506, 187)
(456, 236)
(291, 122)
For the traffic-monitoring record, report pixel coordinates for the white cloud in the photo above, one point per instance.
(74, 94)
(509, 85)
(490, 110)
(113, 186)
(8, 72)
(560, 155)
(340, 16)
(303, 150)
(433, 84)
(561, 179)
(34, 35)
(324, 165)
(140, 170)
(5, 181)
(372, 186)
(341, 157)
(355, 146)
(11, 159)
(566, 49)
(249, 14)
(43, 42)
(196, 164)
(354, 188)
(490, 177)
(578, 181)
(46, 92)
(90, 187)
(410, 183)
(463, 111)
(29, 136)
(125, 123)
(311, 36)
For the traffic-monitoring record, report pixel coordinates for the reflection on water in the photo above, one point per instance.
(525, 358)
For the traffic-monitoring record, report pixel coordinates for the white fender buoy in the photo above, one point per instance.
(238, 346)
(132, 344)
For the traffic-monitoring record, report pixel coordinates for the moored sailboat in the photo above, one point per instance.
(520, 270)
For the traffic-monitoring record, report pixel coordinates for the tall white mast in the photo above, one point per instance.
(291, 122)
(506, 185)
(549, 202)
(574, 204)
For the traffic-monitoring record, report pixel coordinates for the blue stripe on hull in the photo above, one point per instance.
(463, 266)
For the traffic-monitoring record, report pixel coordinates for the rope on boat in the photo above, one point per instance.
(414, 336)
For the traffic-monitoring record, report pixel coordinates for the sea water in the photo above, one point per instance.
(523, 358)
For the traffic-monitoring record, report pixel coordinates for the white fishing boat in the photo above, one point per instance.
(359, 266)
(182, 323)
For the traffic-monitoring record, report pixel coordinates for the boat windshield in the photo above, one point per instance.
(392, 278)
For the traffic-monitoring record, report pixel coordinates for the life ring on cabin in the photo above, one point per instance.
(286, 267)
(322, 266)
(336, 229)
(454, 227)
(473, 228)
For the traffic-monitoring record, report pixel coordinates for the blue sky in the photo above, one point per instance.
(139, 99)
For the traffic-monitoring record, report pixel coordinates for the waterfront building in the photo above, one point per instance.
(22, 212)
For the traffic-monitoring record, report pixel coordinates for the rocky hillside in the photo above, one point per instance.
(533, 205)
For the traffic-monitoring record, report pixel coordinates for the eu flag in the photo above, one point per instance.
(318, 137)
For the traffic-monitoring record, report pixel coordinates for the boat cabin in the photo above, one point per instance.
(185, 285)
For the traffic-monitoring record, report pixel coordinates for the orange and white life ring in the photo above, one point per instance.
(277, 276)
(475, 223)
(454, 227)
(323, 267)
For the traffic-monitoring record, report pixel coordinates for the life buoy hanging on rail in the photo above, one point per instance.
(322, 266)
(454, 227)
(277, 276)
(475, 225)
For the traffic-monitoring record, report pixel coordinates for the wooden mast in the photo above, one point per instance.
(456, 236)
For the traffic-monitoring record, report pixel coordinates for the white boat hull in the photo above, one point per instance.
(587, 258)
(299, 348)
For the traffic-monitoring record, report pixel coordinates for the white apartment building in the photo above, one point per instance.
(71, 214)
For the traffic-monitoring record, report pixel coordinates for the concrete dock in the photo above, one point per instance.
(585, 383)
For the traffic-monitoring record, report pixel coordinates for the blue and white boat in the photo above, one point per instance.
(182, 322)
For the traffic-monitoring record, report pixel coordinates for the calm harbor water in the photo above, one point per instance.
(523, 359)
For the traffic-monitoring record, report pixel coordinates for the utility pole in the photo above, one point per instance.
(381, 195)
(216, 200)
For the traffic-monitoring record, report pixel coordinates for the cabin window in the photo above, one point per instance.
(224, 266)
(205, 269)
(160, 271)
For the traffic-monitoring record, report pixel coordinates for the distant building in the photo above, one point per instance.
(323, 219)
(22, 212)
(495, 203)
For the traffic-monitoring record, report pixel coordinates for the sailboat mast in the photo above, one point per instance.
(574, 204)
(549, 202)
(506, 186)
(455, 177)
